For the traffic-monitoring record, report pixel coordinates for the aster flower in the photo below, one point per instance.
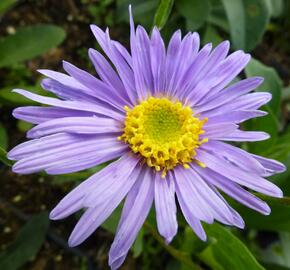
(164, 116)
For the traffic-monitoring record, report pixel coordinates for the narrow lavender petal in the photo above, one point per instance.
(251, 101)
(165, 206)
(245, 136)
(237, 175)
(271, 166)
(157, 59)
(191, 196)
(234, 190)
(193, 70)
(76, 164)
(136, 51)
(236, 116)
(66, 206)
(173, 47)
(217, 55)
(40, 145)
(228, 70)
(189, 216)
(79, 125)
(219, 130)
(79, 151)
(184, 57)
(218, 208)
(144, 54)
(74, 105)
(123, 52)
(235, 156)
(65, 80)
(106, 72)
(123, 68)
(37, 114)
(95, 216)
(229, 94)
(100, 90)
(131, 225)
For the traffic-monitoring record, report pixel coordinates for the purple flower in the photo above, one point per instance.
(166, 114)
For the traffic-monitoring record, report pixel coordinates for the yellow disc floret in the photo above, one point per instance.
(163, 132)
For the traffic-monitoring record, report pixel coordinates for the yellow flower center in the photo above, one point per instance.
(163, 132)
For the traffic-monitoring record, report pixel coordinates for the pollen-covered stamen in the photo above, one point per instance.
(164, 132)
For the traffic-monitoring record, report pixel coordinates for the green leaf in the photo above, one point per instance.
(29, 42)
(226, 251)
(27, 243)
(143, 11)
(162, 13)
(278, 220)
(211, 36)
(138, 244)
(272, 84)
(3, 157)
(111, 223)
(276, 7)
(248, 20)
(236, 16)
(257, 18)
(8, 97)
(195, 12)
(3, 137)
(5, 5)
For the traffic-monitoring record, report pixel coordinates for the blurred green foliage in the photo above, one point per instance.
(245, 23)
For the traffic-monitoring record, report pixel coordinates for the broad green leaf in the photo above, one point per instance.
(195, 12)
(26, 244)
(257, 17)
(3, 137)
(211, 36)
(237, 21)
(276, 7)
(278, 220)
(270, 123)
(138, 244)
(3, 157)
(143, 11)
(29, 42)
(112, 222)
(162, 13)
(5, 5)
(248, 20)
(8, 97)
(226, 251)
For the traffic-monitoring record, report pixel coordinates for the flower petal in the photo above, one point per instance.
(134, 219)
(79, 125)
(165, 206)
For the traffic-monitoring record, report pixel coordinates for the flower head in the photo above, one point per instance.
(165, 114)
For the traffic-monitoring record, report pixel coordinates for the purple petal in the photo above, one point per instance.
(125, 165)
(84, 152)
(245, 136)
(191, 196)
(123, 68)
(79, 125)
(236, 116)
(234, 190)
(74, 105)
(37, 114)
(165, 207)
(237, 175)
(229, 94)
(131, 224)
(271, 166)
(189, 216)
(107, 73)
(95, 216)
(219, 130)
